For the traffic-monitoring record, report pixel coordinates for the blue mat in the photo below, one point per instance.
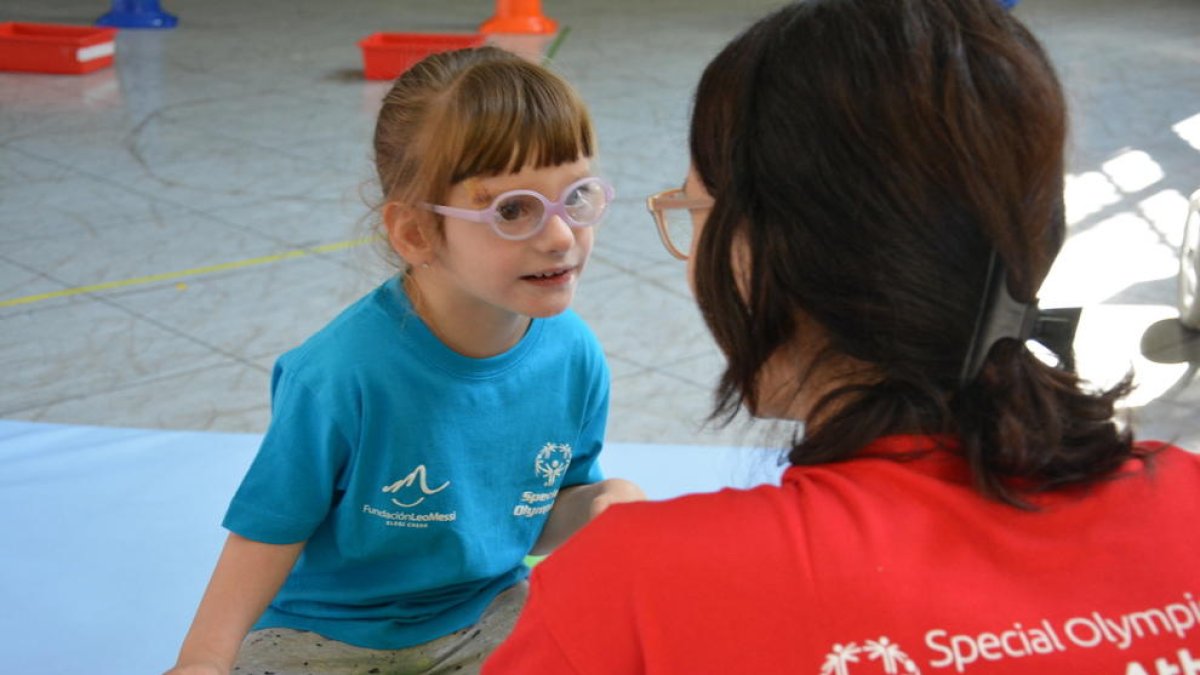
(109, 535)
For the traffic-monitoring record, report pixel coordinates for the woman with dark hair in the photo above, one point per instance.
(875, 198)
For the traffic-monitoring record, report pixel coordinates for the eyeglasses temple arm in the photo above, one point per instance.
(663, 202)
(464, 214)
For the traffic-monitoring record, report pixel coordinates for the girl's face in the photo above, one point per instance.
(485, 276)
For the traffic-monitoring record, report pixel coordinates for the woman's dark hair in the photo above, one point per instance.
(870, 157)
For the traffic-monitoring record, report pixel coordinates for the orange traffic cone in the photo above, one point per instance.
(519, 16)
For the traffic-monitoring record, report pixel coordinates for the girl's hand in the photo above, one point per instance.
(615, 491)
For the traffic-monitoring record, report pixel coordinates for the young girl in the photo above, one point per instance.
(445, 425)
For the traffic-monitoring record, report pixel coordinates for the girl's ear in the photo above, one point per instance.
(408, 233)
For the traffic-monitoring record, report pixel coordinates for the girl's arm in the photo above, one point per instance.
(576, 505)
(247, 577)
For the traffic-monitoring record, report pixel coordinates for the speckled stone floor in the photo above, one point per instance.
(170, 225)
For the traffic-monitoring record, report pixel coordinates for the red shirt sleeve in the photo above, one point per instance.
(580, 617)
(531, 648)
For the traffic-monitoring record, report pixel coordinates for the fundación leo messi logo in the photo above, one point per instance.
(552, 462)
(891, 659)
(419, 488)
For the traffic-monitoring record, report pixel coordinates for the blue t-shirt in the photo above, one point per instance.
(420, 478)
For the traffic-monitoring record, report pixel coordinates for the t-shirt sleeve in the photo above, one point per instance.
(584, 467)
(294, 479)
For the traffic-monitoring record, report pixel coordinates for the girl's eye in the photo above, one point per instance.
(586, 202)
(516, 209)
(584, 194)
(509, 210)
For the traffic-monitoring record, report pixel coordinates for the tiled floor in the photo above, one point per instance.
(243, 134)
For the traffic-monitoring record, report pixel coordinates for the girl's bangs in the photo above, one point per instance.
(519, 120)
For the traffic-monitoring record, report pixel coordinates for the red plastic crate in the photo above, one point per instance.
(55, 48)
(386, 55)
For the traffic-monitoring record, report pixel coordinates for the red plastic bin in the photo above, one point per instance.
(386, 55)
(55, 48)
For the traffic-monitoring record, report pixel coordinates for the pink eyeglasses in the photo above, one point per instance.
(521, 214)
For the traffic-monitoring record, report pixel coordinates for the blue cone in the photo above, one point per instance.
(137, 14)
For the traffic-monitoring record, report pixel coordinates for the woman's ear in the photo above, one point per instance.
(408, 233)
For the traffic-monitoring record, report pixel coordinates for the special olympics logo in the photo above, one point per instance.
(888, 653)
(552, 462)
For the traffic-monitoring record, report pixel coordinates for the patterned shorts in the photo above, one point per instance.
(283, 651)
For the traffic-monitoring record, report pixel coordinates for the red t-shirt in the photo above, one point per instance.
(878, 565)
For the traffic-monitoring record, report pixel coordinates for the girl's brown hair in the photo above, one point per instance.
(871, 156)
(474, 112)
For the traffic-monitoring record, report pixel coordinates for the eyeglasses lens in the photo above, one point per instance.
(586, 203)
(518, 215)
(680, 228)
(521, 215)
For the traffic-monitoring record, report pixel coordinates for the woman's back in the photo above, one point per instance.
(875, 197)
(880, 564)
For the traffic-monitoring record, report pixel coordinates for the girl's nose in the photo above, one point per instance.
(556, 235)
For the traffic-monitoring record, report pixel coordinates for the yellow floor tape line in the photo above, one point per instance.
(193, 272)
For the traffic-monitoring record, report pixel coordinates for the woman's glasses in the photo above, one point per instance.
(521, 214)
(672, 214)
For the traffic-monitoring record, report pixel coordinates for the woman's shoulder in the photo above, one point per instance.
(1173, 452)
(1161, 461)
(703, 527)
(728, 505)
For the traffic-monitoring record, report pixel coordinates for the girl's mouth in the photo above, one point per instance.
(550, 278)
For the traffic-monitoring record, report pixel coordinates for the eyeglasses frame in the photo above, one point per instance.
(549, 208)
(673, 199)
